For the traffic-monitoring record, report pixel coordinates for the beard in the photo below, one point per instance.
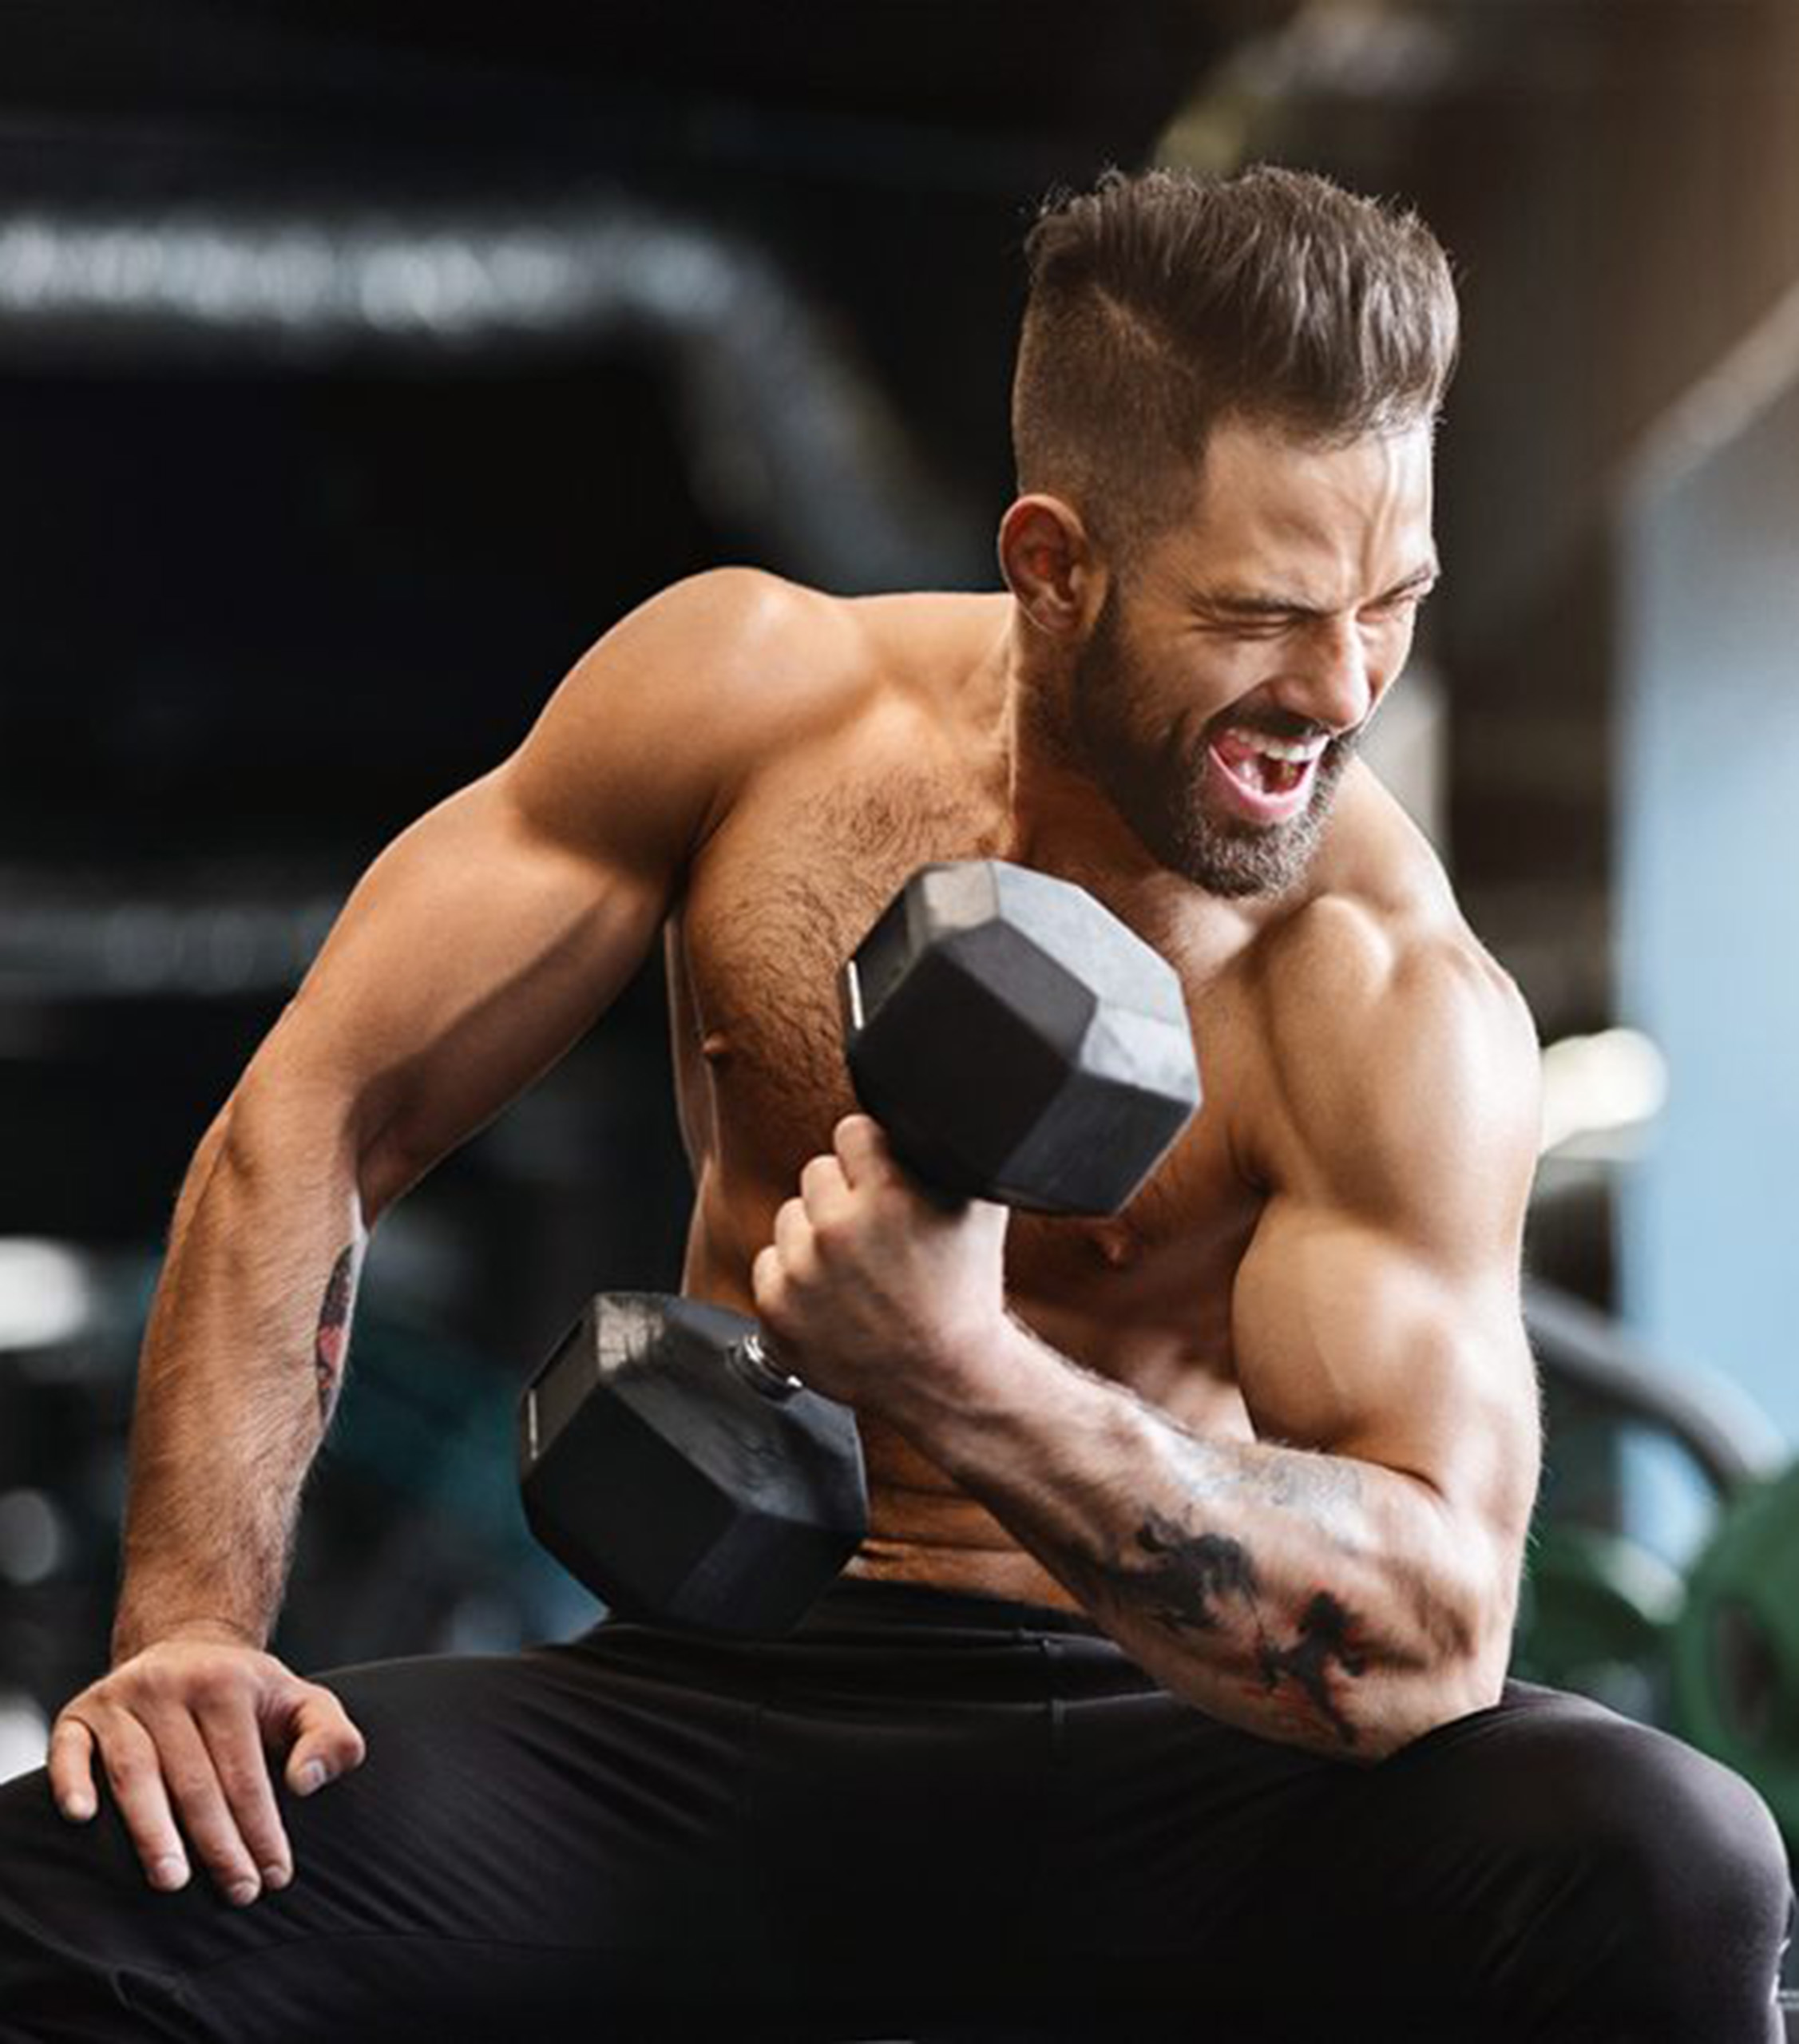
(1156, 778)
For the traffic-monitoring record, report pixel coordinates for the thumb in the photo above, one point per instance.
(326, 1743)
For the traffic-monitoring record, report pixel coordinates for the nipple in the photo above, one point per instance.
(714, 1046)
(1118, 1243)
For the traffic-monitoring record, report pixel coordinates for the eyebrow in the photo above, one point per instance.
(1236, 603)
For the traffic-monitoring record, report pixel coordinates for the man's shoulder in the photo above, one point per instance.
(704, 677)
(757, 650)
(1386, 1016)
(742, 637)
(649, 735)
(1342, 964)
(1379, 916)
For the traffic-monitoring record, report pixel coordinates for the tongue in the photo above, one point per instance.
(1255, 769)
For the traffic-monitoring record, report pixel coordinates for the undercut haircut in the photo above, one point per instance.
(1161, 304)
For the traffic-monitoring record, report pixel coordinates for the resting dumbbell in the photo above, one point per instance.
(1017, 1042)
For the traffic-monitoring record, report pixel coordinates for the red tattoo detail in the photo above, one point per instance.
(332, 1343)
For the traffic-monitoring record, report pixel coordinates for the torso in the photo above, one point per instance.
(813, 846)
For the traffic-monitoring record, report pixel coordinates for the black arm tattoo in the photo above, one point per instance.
(1189, 1572)
(1326, 1633)
(333, 1340)
(1166, 1567)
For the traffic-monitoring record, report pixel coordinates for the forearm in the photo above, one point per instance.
(240, 1372)
(1310, 1599)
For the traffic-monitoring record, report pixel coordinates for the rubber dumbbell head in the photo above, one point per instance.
(1016, 1041)
(679, 1478)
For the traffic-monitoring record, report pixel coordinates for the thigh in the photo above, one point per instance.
(528, 1834)
(1534, 1870)
(1181, 1860)
(1574, 1874)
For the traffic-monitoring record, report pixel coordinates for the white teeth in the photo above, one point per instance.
(1282, 748)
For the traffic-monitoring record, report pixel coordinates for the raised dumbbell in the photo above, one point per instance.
(1017, 1042)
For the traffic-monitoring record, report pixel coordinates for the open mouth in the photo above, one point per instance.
(1266, 779)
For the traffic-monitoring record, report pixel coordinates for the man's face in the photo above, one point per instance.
(1236, 660)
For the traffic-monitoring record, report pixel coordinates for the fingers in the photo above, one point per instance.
(186, 1744)
(211, 1792)
(765, 1285)
(822, 1185)
(236, 1740)
(794, 1237)
(134, 1773)
(233, 1819)
(71, 1769)
(791, 1260)
(810, 1224)
(326, 1743)
(862, 1150)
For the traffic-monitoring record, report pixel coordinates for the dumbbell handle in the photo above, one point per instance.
(761, 1367)
(754, 1356)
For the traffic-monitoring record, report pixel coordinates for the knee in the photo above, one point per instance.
(1668, 1870)
(1678, 1828)
(62, 1975)
(41, 1977)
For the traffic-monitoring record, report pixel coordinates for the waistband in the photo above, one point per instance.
(853, 1600)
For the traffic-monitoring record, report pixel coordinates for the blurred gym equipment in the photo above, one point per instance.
(413, 1540)
(1663, 1575)
(1736, 1647)
(1642, 1465)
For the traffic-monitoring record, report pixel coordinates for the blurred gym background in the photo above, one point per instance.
(359, 366)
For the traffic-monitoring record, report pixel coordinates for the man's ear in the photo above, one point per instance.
(1050, 565)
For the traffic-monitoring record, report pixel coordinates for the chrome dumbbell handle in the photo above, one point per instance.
(760, 1364)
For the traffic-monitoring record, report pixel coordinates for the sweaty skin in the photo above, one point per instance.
(1275, 1426)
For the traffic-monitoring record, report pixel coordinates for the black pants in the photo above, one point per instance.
(924, 1815)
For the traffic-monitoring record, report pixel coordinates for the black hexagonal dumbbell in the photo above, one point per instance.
(1017, 1042)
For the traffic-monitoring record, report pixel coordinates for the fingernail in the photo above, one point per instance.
(242, 1893)
(169, 1873)
(275, 1875)
(78, 1806)
(312, 1776)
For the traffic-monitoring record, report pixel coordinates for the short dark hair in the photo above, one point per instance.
(1161, 303)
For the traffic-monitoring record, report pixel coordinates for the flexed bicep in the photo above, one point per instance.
(1375, 1314)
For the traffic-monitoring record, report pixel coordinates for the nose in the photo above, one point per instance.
(1329, 679)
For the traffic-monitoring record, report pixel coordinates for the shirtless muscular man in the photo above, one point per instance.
(1170, 1685)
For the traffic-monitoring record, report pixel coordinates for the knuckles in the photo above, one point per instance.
(127, 1770)
(857, 1131)
(239, 1782)
(217, 1687)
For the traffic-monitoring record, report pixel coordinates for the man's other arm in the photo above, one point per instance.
(1349, 1592)
(477, 948)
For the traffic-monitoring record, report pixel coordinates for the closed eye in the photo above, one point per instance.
(1257, 627)
(1267, 617)
(1399, 605)
(1255, 620)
